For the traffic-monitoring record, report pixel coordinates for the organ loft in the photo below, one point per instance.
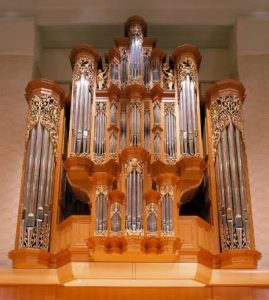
(135, 166)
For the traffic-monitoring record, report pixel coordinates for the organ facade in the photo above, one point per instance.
(135, 166)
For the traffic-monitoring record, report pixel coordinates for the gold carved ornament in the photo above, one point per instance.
(223, 111)
(101, 189)
(166, 189)
(187, 66)
(45, 109)
(85, 66)
(134, 165)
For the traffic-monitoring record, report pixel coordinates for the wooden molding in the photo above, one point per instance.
(135, 20)
(238, 259)
(135, 91)
(226, 87)
(83, 50)
(187, 50)
(152, 196)
(156, 93)
(116, 196)
(35, 87)
(113, 53)
(157, 54)
(30, 258)
(113, 92)
(134, 152)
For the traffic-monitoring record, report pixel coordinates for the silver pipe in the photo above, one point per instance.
(134, 199)
(189, 118)
(30, 168)
(43, 174)
(129, 198)
(102, 134)
(97, 126)
(241, 173)
(85, 116)
(181, 119)
(234, 176)
(80, 116)
(194, 117)
(75, 114)
(50, 172)
(227, 180)
(184, 117)
(139, 204)
(32, 207)
(138, 126)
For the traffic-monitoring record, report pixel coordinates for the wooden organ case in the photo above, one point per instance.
(128, 171)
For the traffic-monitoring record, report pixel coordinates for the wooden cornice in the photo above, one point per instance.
(113, 53)
(83, 50)
(187, 50)
(224, 88)
(135, 20)
(35, 87)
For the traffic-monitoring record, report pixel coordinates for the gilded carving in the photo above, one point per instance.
(224, 110)
(85, 66)
(101, 189)
(166, 189)
(134, 165)
(187, 66)
(152, 208)
(45, 109)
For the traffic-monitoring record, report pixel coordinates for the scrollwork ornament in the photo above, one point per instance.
(115, 209)
(136, 30)
(223, 111)
(187, 66)
(45, 109)
(134, 165)
(169, 107)
(85, 66)
(166, 189)
(135, 102)
(101, 189)
(151, 209)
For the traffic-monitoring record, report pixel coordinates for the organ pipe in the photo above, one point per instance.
(187, 59)
(134, 192)
(84, 69)
(229, 155)
(40, 160)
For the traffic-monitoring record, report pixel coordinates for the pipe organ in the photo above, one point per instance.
(136, 159)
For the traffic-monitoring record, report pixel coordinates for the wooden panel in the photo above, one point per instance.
(8, 293)
(195, 232)
(259, 293)
(72, 232)
(130, 293)
(232, 293)
(36, 293)
(100, 293)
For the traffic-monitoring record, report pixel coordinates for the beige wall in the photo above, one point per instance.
(254, 73)
(16, 68)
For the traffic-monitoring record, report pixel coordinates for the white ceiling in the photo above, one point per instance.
(64, 23)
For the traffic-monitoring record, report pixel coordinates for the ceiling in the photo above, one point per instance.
(64, 23)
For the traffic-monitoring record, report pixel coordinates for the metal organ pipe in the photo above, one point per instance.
(134, 187)
(188, 117)
(167, 214)
(82, 111)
